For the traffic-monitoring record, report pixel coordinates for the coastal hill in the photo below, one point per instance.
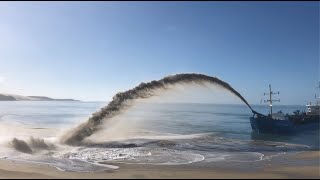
(12, 97)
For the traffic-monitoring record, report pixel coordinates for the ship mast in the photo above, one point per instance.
(270, 100)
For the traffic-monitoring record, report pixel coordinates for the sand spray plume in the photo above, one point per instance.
(123, 100)
(31, 146)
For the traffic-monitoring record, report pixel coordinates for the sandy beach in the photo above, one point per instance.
(300, 165)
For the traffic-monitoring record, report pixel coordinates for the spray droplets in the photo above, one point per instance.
(123, 100)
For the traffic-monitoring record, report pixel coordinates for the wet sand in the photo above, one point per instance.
(300, 165)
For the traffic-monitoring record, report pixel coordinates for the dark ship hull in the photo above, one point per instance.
(291, 124)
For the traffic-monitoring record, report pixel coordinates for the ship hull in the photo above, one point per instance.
(267, 125)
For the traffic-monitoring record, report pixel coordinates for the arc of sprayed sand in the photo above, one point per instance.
(144, 90)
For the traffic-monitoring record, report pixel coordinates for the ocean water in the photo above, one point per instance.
(146, 133)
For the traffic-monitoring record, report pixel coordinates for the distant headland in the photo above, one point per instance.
(12, 97)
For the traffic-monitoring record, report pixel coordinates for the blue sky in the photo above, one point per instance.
(91, 50)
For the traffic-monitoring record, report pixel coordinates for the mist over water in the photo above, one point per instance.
(123, 100)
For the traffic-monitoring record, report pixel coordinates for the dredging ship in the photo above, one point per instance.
(280, 123)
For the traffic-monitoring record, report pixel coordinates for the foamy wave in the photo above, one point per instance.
(140, 155)
(240, 156)
(65, 164)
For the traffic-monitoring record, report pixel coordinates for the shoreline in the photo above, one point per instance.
(300, 165)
